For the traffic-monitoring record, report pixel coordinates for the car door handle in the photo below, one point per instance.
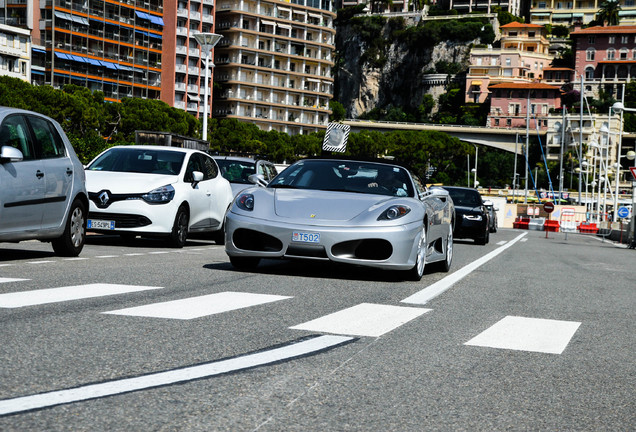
(39, 174)
(69, 172)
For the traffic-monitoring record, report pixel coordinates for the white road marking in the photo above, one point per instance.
(6, 265)
(158, 252)
(134, 254)
(524, 240)
(75, 259)
(439, 287)
(527, 334)
(107, 256)
(181, 375)
(54, 295)
(39, 262)
(501, 243)
(365, 319)
(5, 280)
(197, 307)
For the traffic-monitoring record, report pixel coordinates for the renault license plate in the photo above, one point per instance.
(305, 237)
(100, 224)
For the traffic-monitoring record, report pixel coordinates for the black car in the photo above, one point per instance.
(471, 215)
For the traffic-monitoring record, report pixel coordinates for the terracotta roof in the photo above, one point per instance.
(606, 30)
(518, 24)
(558, 69)
(524, 86)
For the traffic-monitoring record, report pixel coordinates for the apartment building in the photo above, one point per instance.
(274, 63)
(515, 7)
(183, 60)
(605, 57)
(571, 12)
(15, 52)
(512, 104)
(522, 58)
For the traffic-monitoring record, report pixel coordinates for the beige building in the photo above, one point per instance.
(522, 58)
(569, 12)
(273, 65)
(15, 52)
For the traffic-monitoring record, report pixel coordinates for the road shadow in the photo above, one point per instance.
(15, 254)
(319, 269)
(141, 242)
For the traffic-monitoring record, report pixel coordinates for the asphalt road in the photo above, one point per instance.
(525, 333)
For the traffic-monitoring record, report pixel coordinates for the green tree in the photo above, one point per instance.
(608, 13)
(338, 111)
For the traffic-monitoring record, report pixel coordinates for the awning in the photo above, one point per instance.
(38, 50)
(312, 80)
(627, 13)
(61, 55)
(194, 97)
(272, 23)
(154, 35)
(540, 14)
(283, 9)
(566, 15)
(143, 15)
(315, 15)
(94, 62)
(285, 26)
(37, 72)
(577, 15)
(155, 19)
(475, 82)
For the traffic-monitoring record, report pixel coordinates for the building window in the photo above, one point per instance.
(624, 39)
(591, 40)
(496, 122)
(623, 54)
(508, 122)
(589, 73)
(611, 39)
(508, 62)
(611, 54)
(589, 55)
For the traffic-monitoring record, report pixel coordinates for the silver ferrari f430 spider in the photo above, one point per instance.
(365, 213)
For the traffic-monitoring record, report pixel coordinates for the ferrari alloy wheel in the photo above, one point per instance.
(416, 273)
(446, 264)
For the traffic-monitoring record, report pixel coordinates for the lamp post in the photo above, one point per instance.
(630, 237)
(207, 42)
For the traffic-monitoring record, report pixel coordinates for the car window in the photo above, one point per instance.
(419, 186)
(48, 143)
(236, 171)
(15, 133)
(139, 160)
(210, 170)
(271, 171)
(465, 197)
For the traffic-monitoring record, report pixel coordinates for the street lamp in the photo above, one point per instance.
(207, 42)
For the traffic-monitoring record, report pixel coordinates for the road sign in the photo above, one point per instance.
(633, 170)
(548, 207)
(623, 212)
(336, 137)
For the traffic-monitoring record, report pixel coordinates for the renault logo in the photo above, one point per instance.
(104, 197)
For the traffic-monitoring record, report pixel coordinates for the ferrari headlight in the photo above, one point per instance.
(395, 212)
(161, 195)
(245, 202)
(473, 217)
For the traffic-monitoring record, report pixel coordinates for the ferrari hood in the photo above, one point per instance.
(124, 182)
(323, 205)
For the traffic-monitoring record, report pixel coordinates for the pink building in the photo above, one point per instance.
(605, 57)
(522, 58)
(509, 104)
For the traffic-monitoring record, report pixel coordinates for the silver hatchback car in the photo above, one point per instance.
(42, 183)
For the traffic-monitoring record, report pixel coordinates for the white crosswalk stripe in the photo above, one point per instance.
(6, 280)
(196, 307)
(55, 295)
(365, 319)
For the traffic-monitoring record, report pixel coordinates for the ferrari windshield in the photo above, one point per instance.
(346, 176)
(139, 161)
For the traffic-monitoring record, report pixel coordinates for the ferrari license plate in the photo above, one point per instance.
(100, 224)
(305, 237)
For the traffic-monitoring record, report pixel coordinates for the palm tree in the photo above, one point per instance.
(608, 13)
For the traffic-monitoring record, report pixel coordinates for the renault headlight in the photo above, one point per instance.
(161, 195)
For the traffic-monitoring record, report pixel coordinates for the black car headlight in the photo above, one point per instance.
(161, 195)
(473, 217)
(394, 212)
(245, 202)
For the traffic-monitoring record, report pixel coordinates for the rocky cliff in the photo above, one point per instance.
(386, 67)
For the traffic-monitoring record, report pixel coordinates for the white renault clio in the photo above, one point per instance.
(154, 191)
(42, 190)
